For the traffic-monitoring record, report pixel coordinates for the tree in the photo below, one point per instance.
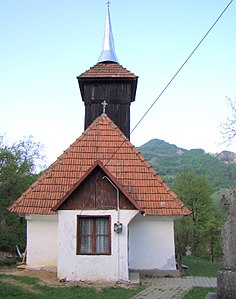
(19, 165)
(211, 233)
(228, 127)
(197, 229)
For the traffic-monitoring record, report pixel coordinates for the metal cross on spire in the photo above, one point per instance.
(104, 104)
(108, 3)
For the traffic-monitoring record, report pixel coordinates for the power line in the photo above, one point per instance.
(172, 79)
(175, 75)
(168, 84)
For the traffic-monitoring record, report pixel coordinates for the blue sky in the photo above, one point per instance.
(46, 44)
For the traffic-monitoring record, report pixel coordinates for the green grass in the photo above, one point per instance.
(23, 279)
(23, 287)
(199, 293)
(8, 262)
(31, 288)
(200, 267)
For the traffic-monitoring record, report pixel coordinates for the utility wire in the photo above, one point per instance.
(172, 79)
(175, 75)
(168, 84)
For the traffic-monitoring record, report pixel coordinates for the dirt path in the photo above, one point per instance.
(47, 277)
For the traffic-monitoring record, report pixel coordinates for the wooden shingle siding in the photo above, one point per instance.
(96, 193)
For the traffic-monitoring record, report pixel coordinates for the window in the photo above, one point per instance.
(93, 235)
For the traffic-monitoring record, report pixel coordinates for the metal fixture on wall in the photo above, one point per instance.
(117, 226)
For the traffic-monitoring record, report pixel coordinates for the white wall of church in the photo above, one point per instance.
(75, 267)
(41, 240)
(151, 243)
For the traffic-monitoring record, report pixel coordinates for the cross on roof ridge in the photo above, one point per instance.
(104, 104)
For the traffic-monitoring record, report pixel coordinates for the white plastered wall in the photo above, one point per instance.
(151, 243)
(75, 267)
(42, 240)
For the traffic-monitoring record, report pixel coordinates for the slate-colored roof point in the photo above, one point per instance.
(108, 51)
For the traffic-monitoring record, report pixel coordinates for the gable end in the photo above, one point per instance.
(94, 191)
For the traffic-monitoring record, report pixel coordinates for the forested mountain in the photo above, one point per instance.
(169, 160)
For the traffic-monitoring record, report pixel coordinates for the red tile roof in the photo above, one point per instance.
(102, 141)
(107, 70)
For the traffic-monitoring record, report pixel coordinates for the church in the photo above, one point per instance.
(100, 211)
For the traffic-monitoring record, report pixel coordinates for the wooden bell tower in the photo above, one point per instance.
(108, 81)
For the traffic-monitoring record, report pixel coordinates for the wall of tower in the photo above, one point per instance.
(118, 95)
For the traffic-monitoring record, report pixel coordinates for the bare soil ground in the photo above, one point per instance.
(48, 277)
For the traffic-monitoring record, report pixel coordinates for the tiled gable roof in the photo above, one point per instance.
(107, 70)
(102, 141)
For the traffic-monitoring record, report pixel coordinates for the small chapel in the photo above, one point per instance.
(100, 211)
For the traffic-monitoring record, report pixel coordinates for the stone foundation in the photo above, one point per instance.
(156, 273)
(226, 282)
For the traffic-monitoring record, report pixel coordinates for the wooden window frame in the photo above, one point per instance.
(78, 241)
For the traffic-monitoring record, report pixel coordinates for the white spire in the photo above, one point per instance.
(108, 51)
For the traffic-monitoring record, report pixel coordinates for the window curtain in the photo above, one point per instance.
(101, 235)
(86, 228)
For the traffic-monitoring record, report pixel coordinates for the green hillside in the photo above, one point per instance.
(168, 160)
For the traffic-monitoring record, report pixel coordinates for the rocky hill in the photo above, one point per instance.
(169, 160)
(226, 156)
